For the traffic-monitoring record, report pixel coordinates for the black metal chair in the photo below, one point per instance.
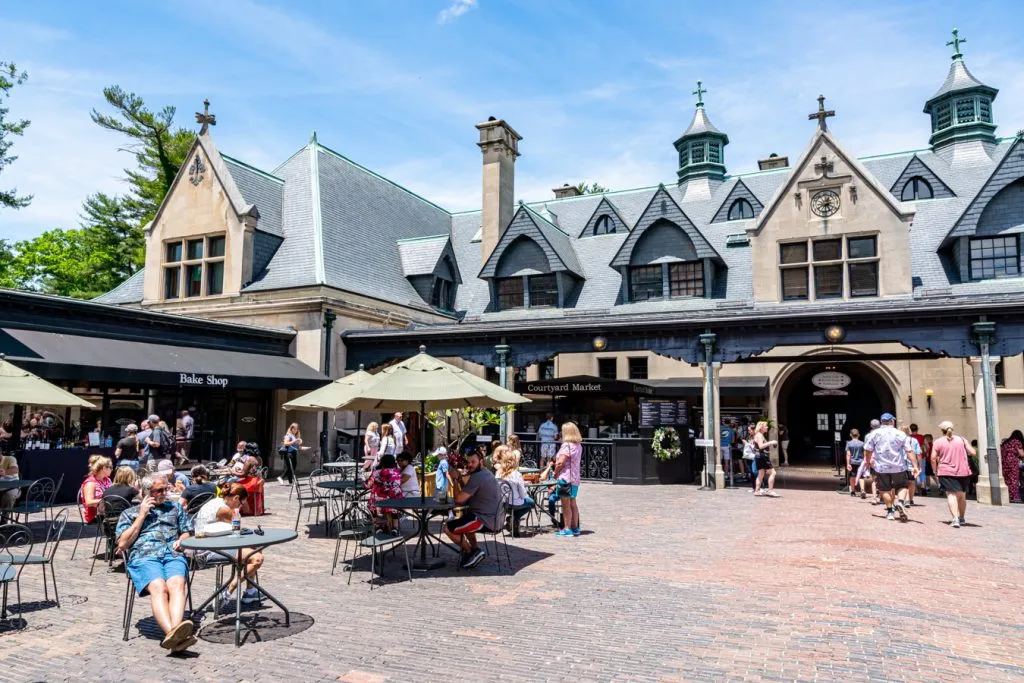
(37, 499)
(15, 540)
(96, 524)
(45, 559)
(309, 496)
(199, 501)
(360, 526)
(502, 514)
(129, 596)
(113, 506)
(378, 543)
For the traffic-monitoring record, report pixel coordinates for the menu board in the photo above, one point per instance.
(663, 412)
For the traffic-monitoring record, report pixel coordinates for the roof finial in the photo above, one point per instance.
(699, 92)
(956, 44)
(423, 349)
(821, 114)
(312, 138)
(206, 118)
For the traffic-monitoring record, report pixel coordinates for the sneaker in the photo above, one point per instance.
(963, 521)
(955, 524)
(890, 516)
(474, 559)
(759, 492)
(576, 532)
(281, 481)
(250, 596)
(564, 532)
(863, 495)
(771, 494)
(901, 511)
(227, 598)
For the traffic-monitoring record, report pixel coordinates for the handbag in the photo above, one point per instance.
(563, 488)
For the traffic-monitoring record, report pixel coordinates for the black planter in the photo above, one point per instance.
(671, 471)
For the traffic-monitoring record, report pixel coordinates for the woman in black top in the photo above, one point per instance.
(200, 484)
(125, 486)
(127, 450)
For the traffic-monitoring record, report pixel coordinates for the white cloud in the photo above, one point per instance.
(455, 10)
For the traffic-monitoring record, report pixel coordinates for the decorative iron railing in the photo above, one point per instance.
(596, 463)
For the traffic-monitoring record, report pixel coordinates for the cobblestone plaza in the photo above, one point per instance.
(667, 583)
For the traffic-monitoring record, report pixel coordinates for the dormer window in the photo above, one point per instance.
(194, 267)
(543, 290)
(604, 225)
(994, 257)
(511, 293)
(664, 264)
(740, 210)
(916, 188)
(443, 295)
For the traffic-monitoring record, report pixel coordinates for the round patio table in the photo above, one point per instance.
(228, 547)
(12, 484)
(538, 502)
(423, 509)
(529, 470)
(339, 465)
(340, 486)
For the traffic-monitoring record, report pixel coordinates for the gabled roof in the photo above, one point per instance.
(421, 255)
(260, 189)
(555, 243)
(917, 167)
(1009, 169)
(662, 206)
(605, 207)
(738, 191)
(822, 137)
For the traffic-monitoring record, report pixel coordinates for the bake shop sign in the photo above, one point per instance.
(830, 379)
(193, 380)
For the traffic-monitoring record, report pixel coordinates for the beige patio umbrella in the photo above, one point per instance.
(22, 387)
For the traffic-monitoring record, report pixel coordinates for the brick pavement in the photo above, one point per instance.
(669, 583)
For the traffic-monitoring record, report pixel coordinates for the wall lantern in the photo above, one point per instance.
(834, 334)
(599, 343)
(928, 393)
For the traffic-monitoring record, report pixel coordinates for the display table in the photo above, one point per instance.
(73, 463)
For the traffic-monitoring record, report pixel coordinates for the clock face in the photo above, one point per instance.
(825, 203)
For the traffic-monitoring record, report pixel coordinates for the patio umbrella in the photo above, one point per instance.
(22, 387)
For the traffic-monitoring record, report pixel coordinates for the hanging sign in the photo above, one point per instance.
(830, 379)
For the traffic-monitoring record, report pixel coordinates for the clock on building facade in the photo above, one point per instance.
(825, 203)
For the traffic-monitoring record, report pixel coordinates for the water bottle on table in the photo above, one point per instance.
(236, 523)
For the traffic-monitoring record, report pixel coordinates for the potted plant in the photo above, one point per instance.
(666, 447)
(465, 422)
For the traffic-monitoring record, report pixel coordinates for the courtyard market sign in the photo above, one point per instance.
(193, 380)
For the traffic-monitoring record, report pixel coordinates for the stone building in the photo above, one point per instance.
(887, 245)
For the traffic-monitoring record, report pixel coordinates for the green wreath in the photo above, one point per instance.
(666, 444)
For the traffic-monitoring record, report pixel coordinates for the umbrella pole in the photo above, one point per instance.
(355, 448)
(423, 451)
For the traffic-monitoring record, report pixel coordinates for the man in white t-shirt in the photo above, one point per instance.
(400, 431)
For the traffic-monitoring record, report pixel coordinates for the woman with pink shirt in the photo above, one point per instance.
(949, 460)
(567, 471)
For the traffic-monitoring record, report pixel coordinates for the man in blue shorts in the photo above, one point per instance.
(153, 531)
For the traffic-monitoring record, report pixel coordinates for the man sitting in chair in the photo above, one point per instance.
(483, 495)
(153, 531)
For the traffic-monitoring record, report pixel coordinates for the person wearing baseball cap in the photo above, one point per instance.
(887, 452)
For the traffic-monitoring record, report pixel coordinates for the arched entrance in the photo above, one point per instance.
(820, 400)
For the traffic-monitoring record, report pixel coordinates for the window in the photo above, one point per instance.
(714, 151)
(822, 422)
(828, 282)
(443, 294)
(200, 272)
(172, 282)
(697, 153)
(794, 284)
(965, 110)
(607, 368)
(638, 368)
(828, 250)
(861, 247)
(994, 257)
(519, 375)
(740, 210)
(862, 265)
(794, 253)
(686, 279)
(985, 109)
(684, 156)
(997, 375)
(645, 283)
(943, 116)
(543, 290)
(510, 293)
(916, 188)
(547, 369)
(604, 225)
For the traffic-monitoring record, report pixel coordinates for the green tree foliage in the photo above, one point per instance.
(592, 188)
(109, 247)
(10, 77)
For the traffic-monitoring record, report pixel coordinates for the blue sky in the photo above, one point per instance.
(598, 90)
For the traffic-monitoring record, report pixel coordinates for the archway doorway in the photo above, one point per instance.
(820, 402)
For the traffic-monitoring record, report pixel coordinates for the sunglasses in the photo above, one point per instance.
(156, 491)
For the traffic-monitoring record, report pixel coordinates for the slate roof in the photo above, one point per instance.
(701, 124)
(346, 227)
(959, 78)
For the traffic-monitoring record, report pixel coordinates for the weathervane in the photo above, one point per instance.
(955, 43)
(821, 114)
(699, 92)
(206, 118)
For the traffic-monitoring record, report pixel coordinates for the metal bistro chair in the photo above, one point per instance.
(37, 499)
(199, 501)
(502, 515)
(45, 559)
(129, 597)
(113, 506)
(15, 540)
(310, 498)
(378, 543)
(96, 524)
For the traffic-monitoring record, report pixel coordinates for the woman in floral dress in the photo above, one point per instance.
(1012, 449)
(385, 482)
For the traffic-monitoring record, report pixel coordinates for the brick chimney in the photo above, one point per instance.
(773, 161)
(500, 146)
(566, 190)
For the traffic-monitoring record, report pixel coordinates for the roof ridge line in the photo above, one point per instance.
(423, 238)
(318, 220)
(232, 159)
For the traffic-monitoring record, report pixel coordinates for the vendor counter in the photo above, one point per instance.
(73, 463)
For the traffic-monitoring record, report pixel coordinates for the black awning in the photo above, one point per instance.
(694, 386)
(584, 384)
(68, 357)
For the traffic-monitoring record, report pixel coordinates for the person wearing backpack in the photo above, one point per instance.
(160, 444)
